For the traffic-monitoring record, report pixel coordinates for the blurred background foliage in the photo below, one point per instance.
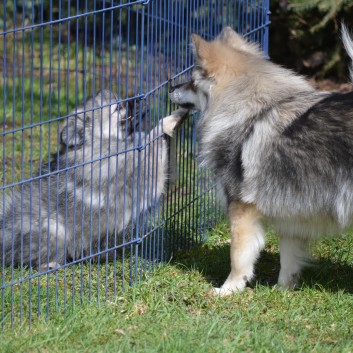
(305, 36)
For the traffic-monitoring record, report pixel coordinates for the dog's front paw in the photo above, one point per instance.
(173, 121)
(169, 124)
(229, 287)
(221, 292)
(49, 266)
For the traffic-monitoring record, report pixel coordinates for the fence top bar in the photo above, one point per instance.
(65, 19)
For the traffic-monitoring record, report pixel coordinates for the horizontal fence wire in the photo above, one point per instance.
(93, 196)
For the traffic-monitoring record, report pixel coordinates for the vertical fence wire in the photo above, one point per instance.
(83, 159)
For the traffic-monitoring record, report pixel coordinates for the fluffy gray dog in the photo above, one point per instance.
(98, 183)
(282, 151)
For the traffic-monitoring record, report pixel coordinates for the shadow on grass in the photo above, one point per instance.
(214, 264)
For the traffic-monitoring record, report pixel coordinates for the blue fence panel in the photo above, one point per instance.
(92, 196)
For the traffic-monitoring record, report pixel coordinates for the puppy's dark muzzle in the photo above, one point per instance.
(173, 88)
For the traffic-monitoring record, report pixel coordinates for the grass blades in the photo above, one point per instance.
(173, 311)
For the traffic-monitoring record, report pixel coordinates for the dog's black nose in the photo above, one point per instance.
(171, 89)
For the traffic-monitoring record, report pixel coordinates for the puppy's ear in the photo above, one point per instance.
(200, 47)
(101, 97)
(108, 101)
(72, 133)
(105, 99)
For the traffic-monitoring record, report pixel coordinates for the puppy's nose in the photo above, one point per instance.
(171, 89)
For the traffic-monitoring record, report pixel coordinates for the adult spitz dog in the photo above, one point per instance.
(282, 151)
(98, 184)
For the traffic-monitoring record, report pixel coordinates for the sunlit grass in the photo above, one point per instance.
(173, 310)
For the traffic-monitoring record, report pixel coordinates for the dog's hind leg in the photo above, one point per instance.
(293, 255)
(247, 240)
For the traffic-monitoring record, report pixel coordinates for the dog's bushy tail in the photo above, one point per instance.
(348, 44)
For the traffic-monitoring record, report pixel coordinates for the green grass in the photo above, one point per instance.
(173, 311)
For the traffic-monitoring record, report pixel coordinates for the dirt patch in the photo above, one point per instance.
(331, 85)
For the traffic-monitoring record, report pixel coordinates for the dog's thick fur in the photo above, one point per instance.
(98, 184)
(282, 151)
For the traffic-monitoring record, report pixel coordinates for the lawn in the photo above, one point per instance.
(173, 311)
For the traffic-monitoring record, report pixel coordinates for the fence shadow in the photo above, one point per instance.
(214, 264)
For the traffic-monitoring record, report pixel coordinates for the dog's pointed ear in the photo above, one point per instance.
(72, 133)
(108, 101)
(238, 42)
(200, 47)
(106, 96)
(103, 98)
(228, 36)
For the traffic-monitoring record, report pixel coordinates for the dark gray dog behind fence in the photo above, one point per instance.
(72, 215)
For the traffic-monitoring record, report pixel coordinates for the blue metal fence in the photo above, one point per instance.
(82, 212)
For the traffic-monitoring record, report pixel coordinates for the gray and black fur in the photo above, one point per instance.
(96, 185)
(282, 151)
